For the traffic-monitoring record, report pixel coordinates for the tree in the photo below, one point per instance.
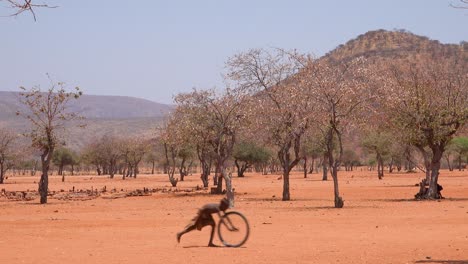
(312, 147)
(111, 151)
(397, 155)
(185, 156)
(379, 143)
(213, 121)
(47, 115)
(19, 7)
(93, 154)
(459, 145)
(247, 154)
(153, 156)
(64, 157)
(132, 150)
(190, 130)
(174, 140)
(281, 106)
(171, 152)
(350, 159)
(342, 93)
(8, 155)
(430, 104)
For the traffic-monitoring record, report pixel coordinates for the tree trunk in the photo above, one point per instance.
(334, 164)
(325, 168)
(228, 178)
(312, 166)
(129, 171)
(111, 171)
(437, 152)
(447, 157)
(172, 180)
(181, 170)
(427, 162)
(305, 167)
(205, 173)
(60, 170)
(43, 186)
(124, 172)
(286, 194)
(284, 157)
(205, 166)
(219, 183)
(2, 173)
(204, 178)
(459, 163)
(172, 168)
(236, 162)
(390, 166)
(339, 203)
(44, 181)
(241, 169)
(380, 169)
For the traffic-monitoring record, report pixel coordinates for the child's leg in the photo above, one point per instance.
(186, 230)
(211, 223)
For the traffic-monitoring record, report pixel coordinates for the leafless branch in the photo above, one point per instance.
(26, 5)
(463, 4)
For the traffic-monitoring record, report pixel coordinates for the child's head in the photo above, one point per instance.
(224, 204)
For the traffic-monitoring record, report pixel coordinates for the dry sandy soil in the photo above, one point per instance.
(380, 223)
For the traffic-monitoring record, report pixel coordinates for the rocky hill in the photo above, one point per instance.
(395, 44)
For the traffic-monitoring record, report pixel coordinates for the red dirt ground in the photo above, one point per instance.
(380, 223)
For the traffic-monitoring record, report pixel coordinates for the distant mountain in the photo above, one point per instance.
(104, 115)
(95, 106)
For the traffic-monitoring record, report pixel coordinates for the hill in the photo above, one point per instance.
(104, 115)
(94, 106)
(395, 44)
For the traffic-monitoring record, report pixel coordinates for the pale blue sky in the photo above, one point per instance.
(155, 49)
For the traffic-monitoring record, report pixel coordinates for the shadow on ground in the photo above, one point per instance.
(443, 261)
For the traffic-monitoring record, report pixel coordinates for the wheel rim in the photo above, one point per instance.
(233, 238)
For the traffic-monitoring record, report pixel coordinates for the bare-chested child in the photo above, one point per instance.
(204, 218)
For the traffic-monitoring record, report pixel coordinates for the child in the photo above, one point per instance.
(204, 218)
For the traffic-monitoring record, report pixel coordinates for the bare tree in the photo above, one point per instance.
(281, 105)
(7, 152)
(47, 115)
(174, 139)
(112, 150)
(342, 95)
(133, 150)
(93, 154)
(19, 7)
(212, 122)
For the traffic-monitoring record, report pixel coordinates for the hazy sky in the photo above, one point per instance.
(155, 49)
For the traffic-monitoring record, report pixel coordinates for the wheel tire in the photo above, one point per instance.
(233, 215)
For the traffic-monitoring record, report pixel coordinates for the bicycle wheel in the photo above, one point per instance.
(233, 229)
